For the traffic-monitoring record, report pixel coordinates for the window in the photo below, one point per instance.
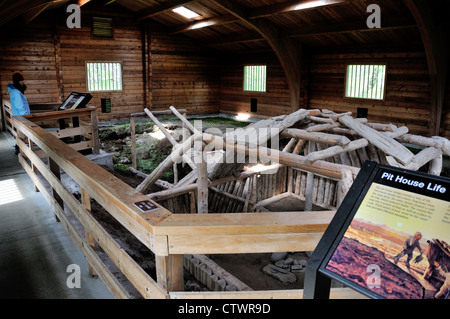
(102, 27)
(255, 78)
(366, 81)
(104, 76)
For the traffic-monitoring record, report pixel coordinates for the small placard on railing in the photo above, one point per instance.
(145, 206)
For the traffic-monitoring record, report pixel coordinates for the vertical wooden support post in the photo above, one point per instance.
(175, 174)
(95, 138)
(86, 202)
(133, 143)
(185, 131)
(192, 207)
(202, 187)
(54, 168)
(344, 185)
(435, 167)
(309, 184)
(31, 146)
(169, 272)
(309, 191)
(202, 174)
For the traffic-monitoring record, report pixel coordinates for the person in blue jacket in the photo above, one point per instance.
(19, 103)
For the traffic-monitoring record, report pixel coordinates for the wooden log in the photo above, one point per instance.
(383, 142)
(422, 140)
(271, 200)
(163, 112)
(316, 137)
(166, 164)
(322, 127)
(398, 132)
(436, 166)
(169, 137)
(423, 157)
(345, 184)
(202, 187)
(335, 150)
(382, 127)
(445, 144)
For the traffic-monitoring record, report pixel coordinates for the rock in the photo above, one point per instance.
(124, 160)
(289, 261)
(231, 288)
(282, 264)
(297, 268)
(278, 256)
(279, 273)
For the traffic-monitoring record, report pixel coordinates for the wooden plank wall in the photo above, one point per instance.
(30, 50)
(77, 46)
(183, 75)
(233, 99)
(53, 60)
(408, 95)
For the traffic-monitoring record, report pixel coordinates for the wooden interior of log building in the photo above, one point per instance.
(335, 76)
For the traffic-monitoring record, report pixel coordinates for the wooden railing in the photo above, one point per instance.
(82, 131)
(169, 236)
(7, 117)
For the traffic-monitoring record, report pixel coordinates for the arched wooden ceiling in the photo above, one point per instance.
(230, 24)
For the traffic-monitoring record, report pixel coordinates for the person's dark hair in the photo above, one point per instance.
(17, 77)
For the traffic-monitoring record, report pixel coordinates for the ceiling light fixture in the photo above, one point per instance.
(185, 12)
(302, 5)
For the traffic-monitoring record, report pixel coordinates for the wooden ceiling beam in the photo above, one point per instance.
(260, 12)
(163, 7)
(347, 27)
(206, 23)
(35, 12)
(236, 39)
(14, 9)
(291, 6)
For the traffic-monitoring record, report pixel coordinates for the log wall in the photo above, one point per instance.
(30, 50)
(408, 96)
(182, 74)
(233, 99)
(159, 70)
(77, 46)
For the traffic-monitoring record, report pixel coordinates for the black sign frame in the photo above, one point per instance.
(75, 100)
(317, 277)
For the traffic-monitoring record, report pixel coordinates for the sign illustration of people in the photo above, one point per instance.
(411, 243)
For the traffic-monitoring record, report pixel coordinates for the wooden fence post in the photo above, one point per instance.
(169, 272)
(133, 142)
(86, 202)
(95, 138)
(54, 168)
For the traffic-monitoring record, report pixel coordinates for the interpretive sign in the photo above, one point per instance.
(75, 100)
(389, 238)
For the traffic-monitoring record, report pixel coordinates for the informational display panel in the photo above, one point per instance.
(75, 100)
(393, 241)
